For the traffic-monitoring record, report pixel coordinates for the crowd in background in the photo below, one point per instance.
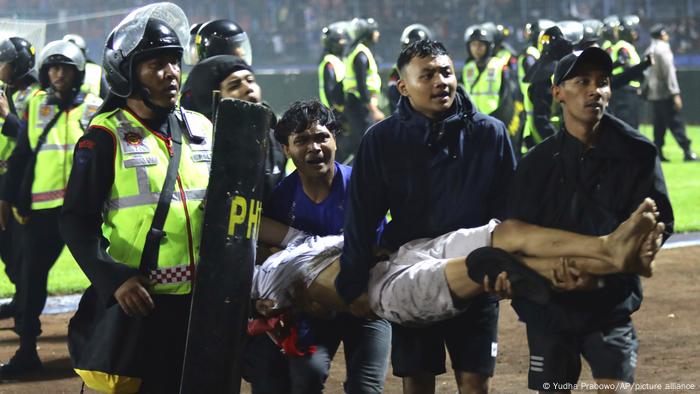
(286, 32)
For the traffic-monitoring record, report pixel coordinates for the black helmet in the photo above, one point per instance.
(500, 32)
(334, 38)
(61, 52)
(610, 25)
(77, 40)
(628, 29)
(560, 40)
(223, 37)
(413, 33)
(482, 32)
(20, 54)
(119, 62)
(533, 30)
(362, 29)
(592, 33)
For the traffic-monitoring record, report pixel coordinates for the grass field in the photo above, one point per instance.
(682, 179)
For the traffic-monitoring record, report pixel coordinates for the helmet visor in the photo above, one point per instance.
(240, 46)
(130, 31)
(8, 52)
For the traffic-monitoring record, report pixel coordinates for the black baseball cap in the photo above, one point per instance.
(566, 68)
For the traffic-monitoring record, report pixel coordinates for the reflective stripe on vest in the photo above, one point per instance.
(55, 157)
(374, 81)
(7, 144)
(338, 68)
(633, 59)
(484, 89)
(529, 107)
(140, 167)
(93, 79)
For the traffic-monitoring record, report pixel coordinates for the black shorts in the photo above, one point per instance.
(555, 358)
(471, 339)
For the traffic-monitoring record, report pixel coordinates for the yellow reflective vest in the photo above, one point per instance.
(93, 79)
(374, 81)
(7, 144)
(338, 68)
(484, 86)
(55, 157)
(633, 60)
(140, 167)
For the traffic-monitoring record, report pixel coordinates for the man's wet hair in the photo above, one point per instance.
(421, 49)
(301, 116)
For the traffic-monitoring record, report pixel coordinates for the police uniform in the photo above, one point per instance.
(41, 241)
(361, 85)
(331, 73)
(120, 166)
(625, 101)
(489, 88)
(94, 81)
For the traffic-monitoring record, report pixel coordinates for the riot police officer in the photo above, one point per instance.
(557, 42)
(526, 60)
(95, 82)
(485, 76)
(362, 86)
(35, 185)
(592, 33)
(331, 70)
(121, 169)
(610, 26)
(625, 100)
(20, 84)
(411, 33)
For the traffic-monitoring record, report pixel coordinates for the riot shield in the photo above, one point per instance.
(221, 295)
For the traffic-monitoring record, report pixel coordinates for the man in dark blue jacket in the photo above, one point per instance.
(437, 165)
(587, 179)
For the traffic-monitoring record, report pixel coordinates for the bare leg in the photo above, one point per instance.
(419, 384)
(619, 249)
(472, 383)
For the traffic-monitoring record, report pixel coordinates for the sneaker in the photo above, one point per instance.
(690, 156)
(525, 282)
(20, 365)
(7, 310)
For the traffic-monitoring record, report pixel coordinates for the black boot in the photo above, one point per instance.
(689, 155)
(24, 362)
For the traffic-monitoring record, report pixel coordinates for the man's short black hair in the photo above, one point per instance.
(301, 116)
(420, 48)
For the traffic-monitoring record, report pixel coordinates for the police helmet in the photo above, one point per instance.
(61, 52)
(362, 29)
(501, 32)
(610, 25)
(20, 54)
(628, 28)
(190, 57)
(481, 32)
(77, 40)
(334, 38)
(533, 29)
(144, 33)
(413, 33)
(592, 33)
(560, 40)
(223, 37)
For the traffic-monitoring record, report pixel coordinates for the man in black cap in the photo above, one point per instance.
(587, 178)
(234, 78)
(664, 93)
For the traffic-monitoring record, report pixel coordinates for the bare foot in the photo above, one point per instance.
(648, 250)
(624, 243)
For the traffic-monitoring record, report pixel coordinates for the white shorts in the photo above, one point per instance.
(410, 288)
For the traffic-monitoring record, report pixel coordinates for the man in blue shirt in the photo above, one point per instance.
(313, 199)
(438, 165)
